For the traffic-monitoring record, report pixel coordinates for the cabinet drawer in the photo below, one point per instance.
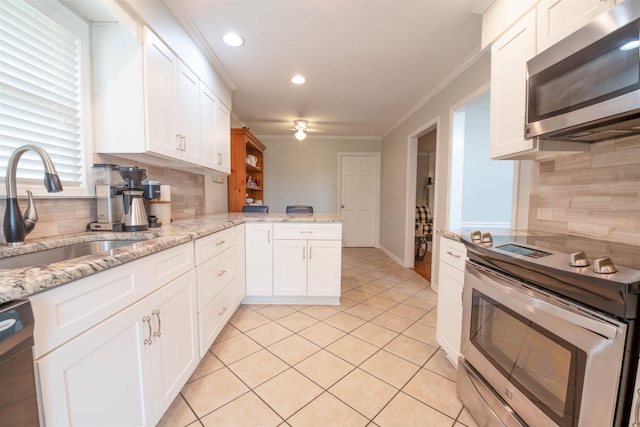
(214, 275)
(169, 264)
(66, 311)
(453, 253)
(213, 317)
(209, 246)
(308, 231)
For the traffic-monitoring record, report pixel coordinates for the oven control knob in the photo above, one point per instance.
(486, 238)
(476, 236)
(579, 259)
(604, 266)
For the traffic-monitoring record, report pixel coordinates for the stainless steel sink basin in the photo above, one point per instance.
(63, 253)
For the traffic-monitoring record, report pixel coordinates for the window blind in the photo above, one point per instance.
(40, 93)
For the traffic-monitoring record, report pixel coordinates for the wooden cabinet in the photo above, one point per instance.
(150, 107)
(243, 144)
(259, 254)
(128, 367)
(548, 23)
(453, 255)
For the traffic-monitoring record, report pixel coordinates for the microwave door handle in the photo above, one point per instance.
(568, 313)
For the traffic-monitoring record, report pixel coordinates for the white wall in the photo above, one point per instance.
(395, 159)
(307, 174)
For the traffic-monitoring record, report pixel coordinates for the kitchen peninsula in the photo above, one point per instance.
(151, 309)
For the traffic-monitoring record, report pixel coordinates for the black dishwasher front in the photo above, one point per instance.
(18, 396)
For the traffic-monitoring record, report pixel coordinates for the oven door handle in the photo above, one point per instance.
(545, 303)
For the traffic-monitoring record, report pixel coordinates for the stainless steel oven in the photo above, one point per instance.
(545, 343)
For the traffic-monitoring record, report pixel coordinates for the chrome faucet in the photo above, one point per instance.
(17, 226)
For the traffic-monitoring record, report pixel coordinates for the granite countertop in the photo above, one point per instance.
(22, 282)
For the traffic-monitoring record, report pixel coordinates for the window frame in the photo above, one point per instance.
(65, 17)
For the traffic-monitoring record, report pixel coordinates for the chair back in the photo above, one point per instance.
(299, 209)
(255, 209)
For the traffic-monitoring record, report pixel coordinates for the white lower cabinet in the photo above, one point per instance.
(300, 264)
(216, 267)
(259, 255)
(118, 346)
(453, 255)
(128, 369)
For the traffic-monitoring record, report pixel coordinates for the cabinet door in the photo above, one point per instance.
(160, 76)
(559, 18)
(102, 377)
(324, 267)
(259, 256)
(241, 289)
(449, 330)
(223, 138)
(175, 355)
(208, 129)
(188, 115)
(509, 56)
(290, 267)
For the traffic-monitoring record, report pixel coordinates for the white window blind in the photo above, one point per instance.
(40, 94)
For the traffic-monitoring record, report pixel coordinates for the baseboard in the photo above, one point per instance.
(395, 258)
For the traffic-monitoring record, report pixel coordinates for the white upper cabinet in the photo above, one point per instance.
(223, 138)
(509, 56)
(547, 23)
(187, 131)
(559, 18)
(149, 104)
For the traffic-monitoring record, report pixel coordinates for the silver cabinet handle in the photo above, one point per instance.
(453, 255)
(184, 143)
(219, 158)
(268, 236)
(220, 313)
(177, 141)
(148, 319)
(303, 251)
(310, 253)
(306, 232)
(221, 242)
(221, 272)
(157, 313)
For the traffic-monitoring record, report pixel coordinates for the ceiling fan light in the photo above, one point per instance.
(300, 124)
(300, 135)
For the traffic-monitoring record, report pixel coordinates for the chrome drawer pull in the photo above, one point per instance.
(221, 272)
(310, 253)
(221, 242)
(157, 313)
(220, 313)
(306, 232)
(148, 319)
(453, 255)
(303, 253)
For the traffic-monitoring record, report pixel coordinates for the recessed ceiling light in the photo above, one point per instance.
(298, 79)
(232, 39)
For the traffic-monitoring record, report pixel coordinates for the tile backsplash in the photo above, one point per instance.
(58, 216)
(594, 194)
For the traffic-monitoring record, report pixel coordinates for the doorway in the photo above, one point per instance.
(425, 185)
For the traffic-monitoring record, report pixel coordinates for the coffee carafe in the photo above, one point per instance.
(134, 215)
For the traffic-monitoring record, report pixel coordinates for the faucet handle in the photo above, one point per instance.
(30, 215)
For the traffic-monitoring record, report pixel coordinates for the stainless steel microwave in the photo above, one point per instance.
(586, 88)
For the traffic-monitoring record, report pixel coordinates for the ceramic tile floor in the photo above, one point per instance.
(372, 361)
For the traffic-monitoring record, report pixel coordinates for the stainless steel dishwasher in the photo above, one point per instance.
(18, 396)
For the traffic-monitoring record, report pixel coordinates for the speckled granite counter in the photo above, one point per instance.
(22, 282)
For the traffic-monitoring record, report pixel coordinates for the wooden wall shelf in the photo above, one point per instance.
(244, 143)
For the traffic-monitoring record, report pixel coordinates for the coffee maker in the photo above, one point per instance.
(134, 214)
(108, 184)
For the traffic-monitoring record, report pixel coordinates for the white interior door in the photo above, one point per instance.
(359, 195)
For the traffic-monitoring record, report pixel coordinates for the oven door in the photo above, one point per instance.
(553, 362)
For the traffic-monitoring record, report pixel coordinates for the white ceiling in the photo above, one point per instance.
(368, 63)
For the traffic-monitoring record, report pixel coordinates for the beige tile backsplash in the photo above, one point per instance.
(58, 216)
(594, 194)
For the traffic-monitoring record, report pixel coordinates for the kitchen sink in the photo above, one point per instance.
(63, 253)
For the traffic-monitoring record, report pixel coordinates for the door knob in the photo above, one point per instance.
(342, 206)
